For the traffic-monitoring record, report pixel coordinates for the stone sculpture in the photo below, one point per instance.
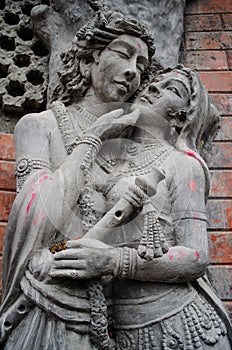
(131, 185)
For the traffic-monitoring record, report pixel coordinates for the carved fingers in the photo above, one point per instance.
(112, 124)
(83, 259)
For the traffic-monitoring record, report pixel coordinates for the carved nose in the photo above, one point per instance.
(130, 74)
(153, 88)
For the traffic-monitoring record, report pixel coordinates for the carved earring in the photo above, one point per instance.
(177, 118)
(96, 56)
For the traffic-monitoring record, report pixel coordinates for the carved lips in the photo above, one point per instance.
(123, 85)
(146, 99)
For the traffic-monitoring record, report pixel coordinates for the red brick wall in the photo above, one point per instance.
(7, 185)
(209, 51)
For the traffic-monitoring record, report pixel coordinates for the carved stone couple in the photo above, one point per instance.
(132, 181)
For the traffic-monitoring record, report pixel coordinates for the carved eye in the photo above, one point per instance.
(122, 54)
(174, 90)
(140, 67)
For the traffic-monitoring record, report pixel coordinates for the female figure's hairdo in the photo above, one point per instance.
(95, 35)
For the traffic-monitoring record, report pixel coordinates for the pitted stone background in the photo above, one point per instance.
(23, 63)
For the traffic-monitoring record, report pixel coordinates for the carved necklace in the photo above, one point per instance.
(71, 124)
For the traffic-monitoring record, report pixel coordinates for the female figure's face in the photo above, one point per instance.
(168, 94)
(117, 70)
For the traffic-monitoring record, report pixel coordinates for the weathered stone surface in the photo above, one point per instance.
(23, 64)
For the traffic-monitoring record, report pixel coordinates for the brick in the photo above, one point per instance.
(209, 6)
(224, 102)
(220, 155)
(0, 272)
(219, 214)
(7, 178)
(217, 81)
(220, 247)
(225, 133)
(209, 41)
(7, 147)
(221, 279)
(199, 23)
(206, 60)
(6, 201)
(2, 232)
(229, 58)
(227, 21)
(221, 183)
(228, 306)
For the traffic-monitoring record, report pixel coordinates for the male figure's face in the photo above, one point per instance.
(117, 70)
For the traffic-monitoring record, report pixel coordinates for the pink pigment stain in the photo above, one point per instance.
(35, 190)
(182, 254)
(197, 254)
(40, 217)
(139, 46)
(190, 153)
(195, 217)
(30, 202)
(192, 185)
(170, 256)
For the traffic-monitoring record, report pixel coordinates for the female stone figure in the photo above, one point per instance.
(109, 58)
(160, 300)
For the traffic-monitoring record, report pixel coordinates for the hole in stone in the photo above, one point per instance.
(25, 33)
(11, 18)
(3, 70)
(32, 105)
(15, 88)
(26, 9)
(39, 49)
(45, 2)
(118, 213)
(2, 4)
(35, 77)
(21, 309)
(7, 325)
(22, 60)
(7, 43)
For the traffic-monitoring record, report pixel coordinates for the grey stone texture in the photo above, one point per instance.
(23, 64)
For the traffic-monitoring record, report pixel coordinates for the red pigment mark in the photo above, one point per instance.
(179, 259)
(139, 46)
(197, 254)
(170, 255)
(192, 185)
(30, 202)
(39, 217)
(195, 217)
(190, 153)
(77, 238)
(182, 254)
(35, 190)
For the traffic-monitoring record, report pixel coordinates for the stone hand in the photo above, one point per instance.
(84, 258)
(112, 124)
